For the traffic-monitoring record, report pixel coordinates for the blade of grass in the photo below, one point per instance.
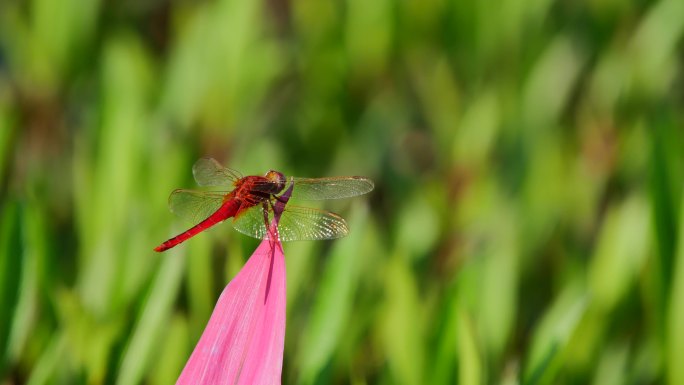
(334, 303)
(157, 311)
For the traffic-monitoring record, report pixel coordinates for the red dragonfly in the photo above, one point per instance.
(251, 203)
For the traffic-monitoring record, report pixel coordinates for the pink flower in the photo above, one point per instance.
(244, 339)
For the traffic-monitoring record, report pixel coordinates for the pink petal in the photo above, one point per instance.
(243, 341)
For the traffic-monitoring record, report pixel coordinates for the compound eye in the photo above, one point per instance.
(278, 178)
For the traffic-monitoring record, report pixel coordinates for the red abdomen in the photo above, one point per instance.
(227, 210)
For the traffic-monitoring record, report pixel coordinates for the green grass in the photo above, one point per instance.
(526, 225)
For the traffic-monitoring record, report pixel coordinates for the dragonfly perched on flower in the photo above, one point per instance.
(252, 200)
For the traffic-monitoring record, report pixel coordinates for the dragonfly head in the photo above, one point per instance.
(278, 178)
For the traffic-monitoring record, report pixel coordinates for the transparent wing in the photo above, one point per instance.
(209, 172)
(296, 224)
(251, 222)
(195, 206)
(330, 188)
(306, 223)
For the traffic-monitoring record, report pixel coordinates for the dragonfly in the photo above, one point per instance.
(251, 204)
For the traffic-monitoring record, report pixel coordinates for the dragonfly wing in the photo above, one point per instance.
(306, 223)
(251, 222)
(195, 206)
(209, 172)
(330, 188)
(296, 224)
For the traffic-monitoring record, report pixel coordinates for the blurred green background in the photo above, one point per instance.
(527, 225)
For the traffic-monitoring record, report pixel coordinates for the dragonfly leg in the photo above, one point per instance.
(280, 198)
(265, 211)
(267, 223)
